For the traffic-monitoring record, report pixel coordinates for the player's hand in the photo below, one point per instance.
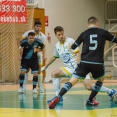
(35, 50)
(21, 49)
(45, 58)
(43, 68)
(20, 58)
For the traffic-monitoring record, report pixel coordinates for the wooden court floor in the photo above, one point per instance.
(34, 105)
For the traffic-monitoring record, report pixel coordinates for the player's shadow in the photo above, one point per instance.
(112, 104)
(22, 99)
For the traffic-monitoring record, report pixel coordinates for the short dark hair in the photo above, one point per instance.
(31, 34)
(92, 20)
(37, 23)
(57, 29)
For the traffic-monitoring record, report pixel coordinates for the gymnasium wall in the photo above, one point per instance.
(72, 15)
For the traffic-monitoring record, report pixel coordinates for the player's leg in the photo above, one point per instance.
(67, 86)
(56, 75)
(40, 75)
(59, 73)
(35, 81)
(34, 67)
(88, 85)
(21, 80)
(87, 82)
(79, 73)
(25, 80)
(21, 76)
(98, 73)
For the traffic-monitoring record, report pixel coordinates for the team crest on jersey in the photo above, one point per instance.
(66, 57)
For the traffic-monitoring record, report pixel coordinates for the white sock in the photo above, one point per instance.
(105, 89)
(25, 80)
(40, 77)
(56, 84)
(88, 76)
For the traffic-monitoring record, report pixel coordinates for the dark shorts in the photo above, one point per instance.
(82, 69)
(31, 63)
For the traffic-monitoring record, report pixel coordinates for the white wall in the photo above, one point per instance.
(72, 15)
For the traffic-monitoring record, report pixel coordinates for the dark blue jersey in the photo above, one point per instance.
(28, 51)
(93, 44)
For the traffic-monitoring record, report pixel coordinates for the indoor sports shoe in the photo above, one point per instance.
(112, 93)
(89, 103)
(54, 102)
(34, 91)
(60, 99)
(41, 89)
(21, 90)
(95, 102)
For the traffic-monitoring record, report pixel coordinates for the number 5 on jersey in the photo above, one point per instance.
(92, 41)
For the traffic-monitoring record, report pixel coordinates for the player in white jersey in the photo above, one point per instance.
(41, 55)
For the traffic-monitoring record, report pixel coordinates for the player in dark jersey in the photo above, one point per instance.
(91, 60)
(29, 59)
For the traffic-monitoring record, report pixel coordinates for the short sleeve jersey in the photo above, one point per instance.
(65, 53)
(28, 50)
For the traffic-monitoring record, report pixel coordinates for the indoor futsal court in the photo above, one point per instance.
(28, 104)
(18, 17)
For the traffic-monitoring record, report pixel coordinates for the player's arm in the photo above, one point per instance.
(51, 60)
(25, 35)
(77, 42)
(78, 54)
(44, 50)
(39, 46)
(19, 40)
(76, 51)
(110, 37)
(44, 53)
(21, 50)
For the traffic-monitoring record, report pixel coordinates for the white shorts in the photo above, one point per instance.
(40, 58)
(68, 72)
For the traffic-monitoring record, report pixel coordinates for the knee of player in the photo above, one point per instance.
(35, 78)
(100, 80)
(22, 72)
(35, 74)
(54, 75)
(88, 88)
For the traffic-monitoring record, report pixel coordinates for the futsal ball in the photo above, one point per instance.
(114, 98)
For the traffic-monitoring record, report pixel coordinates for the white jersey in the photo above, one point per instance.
(65, 52)
(39, 36)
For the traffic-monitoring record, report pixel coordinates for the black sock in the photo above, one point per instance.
(92, 95)
(64, 89)
(21, 79)
(62, 92)
(35, 80)
(96, 88)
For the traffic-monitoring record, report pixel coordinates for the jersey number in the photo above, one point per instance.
(93, 42)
